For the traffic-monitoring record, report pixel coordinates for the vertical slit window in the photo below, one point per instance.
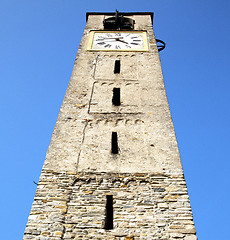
(116, 97)
(117, 66)
(114, 143)
(109, 212)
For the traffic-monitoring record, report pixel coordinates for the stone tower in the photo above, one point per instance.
(113, 169)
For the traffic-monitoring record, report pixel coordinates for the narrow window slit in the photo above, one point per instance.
(109, 212)
(117, 66)
(116, 97)
(114, 143)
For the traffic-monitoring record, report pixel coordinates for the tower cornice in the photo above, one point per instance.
(122, 13)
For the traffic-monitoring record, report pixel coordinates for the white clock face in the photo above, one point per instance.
(118, 41)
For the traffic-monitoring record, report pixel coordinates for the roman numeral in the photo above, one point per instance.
(101, 43)
(117, 47)
(108, 45)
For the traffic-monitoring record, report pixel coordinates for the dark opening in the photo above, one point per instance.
(109, 212)
(114, 143)
(116, 97)
(119, 22)
(117, 66)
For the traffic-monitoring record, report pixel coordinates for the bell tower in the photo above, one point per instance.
(113, 169)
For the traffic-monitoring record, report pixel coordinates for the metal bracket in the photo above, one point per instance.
(160, 45)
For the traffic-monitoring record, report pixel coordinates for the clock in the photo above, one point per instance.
(118, 41)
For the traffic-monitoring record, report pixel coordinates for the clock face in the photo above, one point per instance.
(118, 41)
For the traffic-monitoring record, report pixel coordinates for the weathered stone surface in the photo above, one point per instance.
(190, 237)
(135, 213)
(150, 199)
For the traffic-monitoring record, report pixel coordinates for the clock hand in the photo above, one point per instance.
(121, 41)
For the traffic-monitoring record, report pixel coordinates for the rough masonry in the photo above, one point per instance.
(145, 178)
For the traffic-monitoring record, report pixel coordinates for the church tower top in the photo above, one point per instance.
(121, 13)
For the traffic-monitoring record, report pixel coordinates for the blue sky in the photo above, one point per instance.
(38, 44)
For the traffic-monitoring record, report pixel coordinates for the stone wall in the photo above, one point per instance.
(150, 199)
(146, 206)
